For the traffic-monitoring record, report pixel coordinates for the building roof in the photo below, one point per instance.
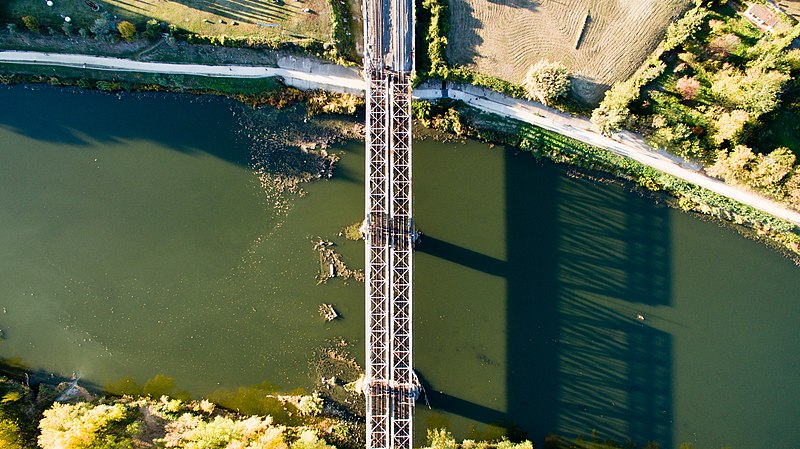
(763, 17)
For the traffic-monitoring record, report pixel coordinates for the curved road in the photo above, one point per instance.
(326, 76)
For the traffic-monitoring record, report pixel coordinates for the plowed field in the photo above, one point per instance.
(613, 37)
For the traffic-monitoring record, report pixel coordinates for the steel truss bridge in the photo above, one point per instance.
(390, 386)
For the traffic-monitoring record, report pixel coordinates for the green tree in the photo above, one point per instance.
(152, 29)
(127, 30)
(10, 435)
(728, 126)
(12, 28)
(102, 26)
(86, 426)
(31, 23)
(772, 169)
(685, 28)
(546, 81)
(757, 91)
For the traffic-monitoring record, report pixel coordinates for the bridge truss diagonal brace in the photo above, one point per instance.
(390, 386)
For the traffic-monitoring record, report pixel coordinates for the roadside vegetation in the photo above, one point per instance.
(716, 91)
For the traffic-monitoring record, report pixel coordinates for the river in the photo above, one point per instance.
(136, 240)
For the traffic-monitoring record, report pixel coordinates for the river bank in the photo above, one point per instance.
(454, 117)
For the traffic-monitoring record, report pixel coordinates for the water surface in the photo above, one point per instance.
(136, 240)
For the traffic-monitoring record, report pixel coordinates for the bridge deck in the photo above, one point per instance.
(389, 388)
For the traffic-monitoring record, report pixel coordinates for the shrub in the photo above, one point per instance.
(312, 405)
(546, 81)
(127, 30)
(31, 23)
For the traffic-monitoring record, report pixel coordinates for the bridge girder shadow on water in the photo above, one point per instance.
(582, 260)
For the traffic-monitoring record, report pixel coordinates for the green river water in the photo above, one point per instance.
(136, 240)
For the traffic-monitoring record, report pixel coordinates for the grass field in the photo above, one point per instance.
(283, 19)
(599, 41)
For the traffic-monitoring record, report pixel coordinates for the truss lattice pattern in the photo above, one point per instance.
(390, 384)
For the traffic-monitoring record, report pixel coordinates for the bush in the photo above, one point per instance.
(127, 30)
(546, 81)
(31, 23)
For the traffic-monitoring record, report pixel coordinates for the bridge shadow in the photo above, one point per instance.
(584, 263)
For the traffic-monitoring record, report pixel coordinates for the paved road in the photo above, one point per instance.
(315, 76)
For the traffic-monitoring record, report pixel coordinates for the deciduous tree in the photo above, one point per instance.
(127, 30)
(31, 23)
(688, 87)
(546, 81)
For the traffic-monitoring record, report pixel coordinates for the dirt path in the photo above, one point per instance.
(317, 76)
(304, 74)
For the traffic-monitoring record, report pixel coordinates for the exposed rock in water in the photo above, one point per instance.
(328, 258)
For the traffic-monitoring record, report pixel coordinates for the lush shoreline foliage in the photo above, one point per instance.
(708, 93)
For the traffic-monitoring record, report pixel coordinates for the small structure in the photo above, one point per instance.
(762, 16)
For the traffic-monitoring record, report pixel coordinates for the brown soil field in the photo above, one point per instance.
(504, 37)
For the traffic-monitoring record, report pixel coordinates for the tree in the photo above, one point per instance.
(772, 169)
(682, 30)
(31, 23)
(546, 81)
(12, 27)
(83, 32)
(729, 125)
(67, 28)
(127, 30)
(10, 435)
(152, 29)
(734, 167)
(725, 44)
(757, 91)
(688, 87)
(84, 426)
